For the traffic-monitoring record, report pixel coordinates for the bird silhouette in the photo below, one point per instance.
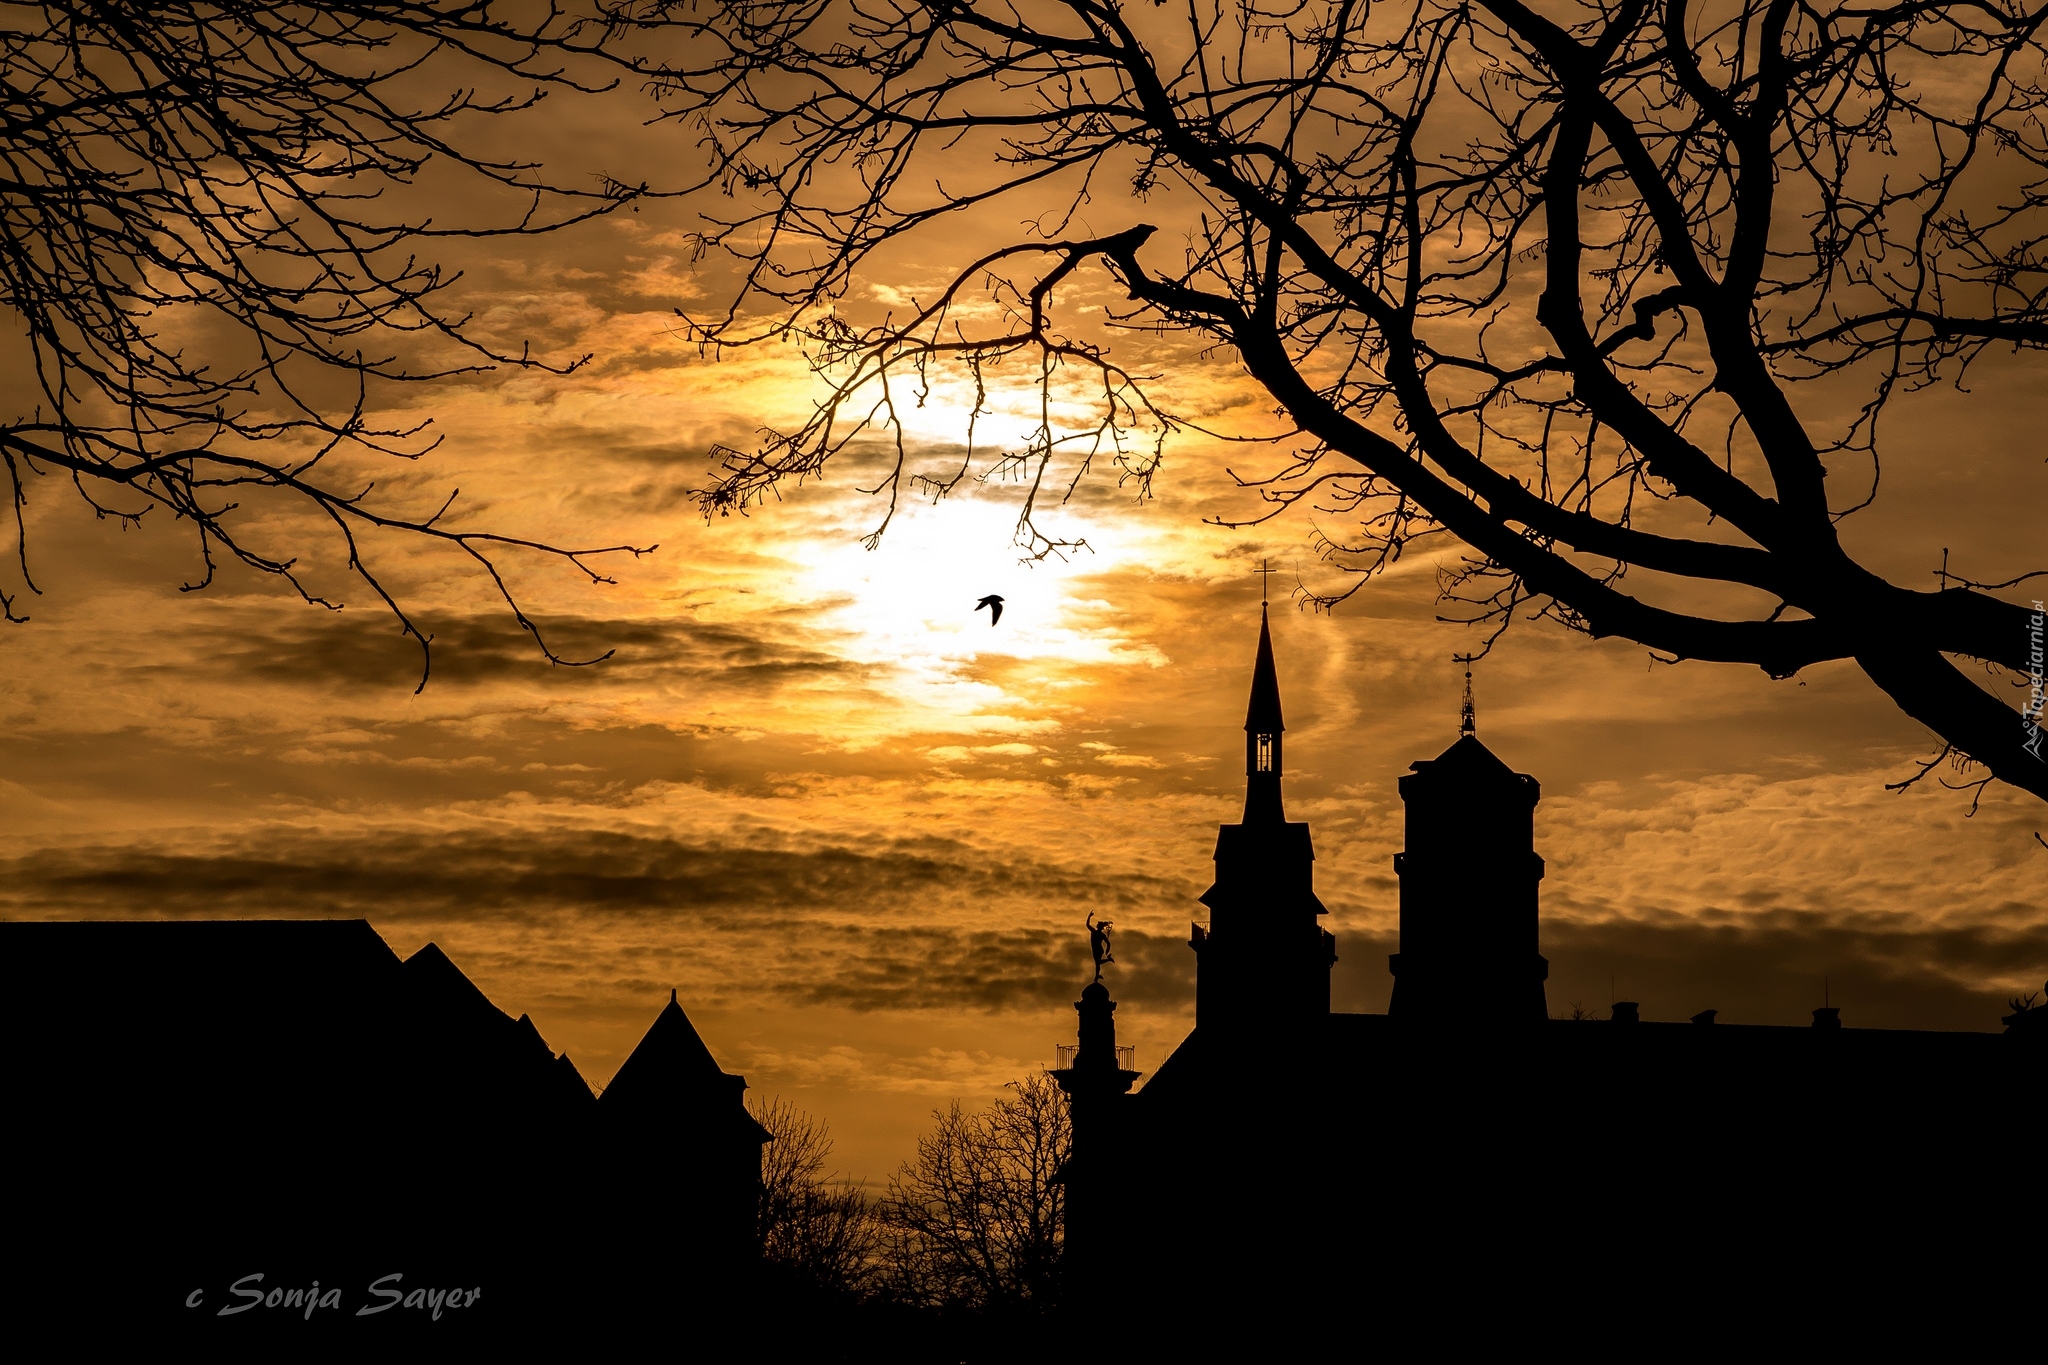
(994, 605)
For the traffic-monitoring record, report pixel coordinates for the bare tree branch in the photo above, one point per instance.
(977, 1220)
(209, 212)
(1546, 282)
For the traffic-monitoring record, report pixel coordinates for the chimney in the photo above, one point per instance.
(1623, 1012)
(1828, 1016)
(1705, 1016)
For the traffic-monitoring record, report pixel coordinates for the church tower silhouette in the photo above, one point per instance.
(1262, 960)
(1272, 1152)
(1469, 874)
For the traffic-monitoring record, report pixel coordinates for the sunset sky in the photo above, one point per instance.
(858, 829)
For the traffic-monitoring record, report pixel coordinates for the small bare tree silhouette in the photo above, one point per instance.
(977, 1220)
(819, 1232)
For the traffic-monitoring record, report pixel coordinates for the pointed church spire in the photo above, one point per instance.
(1262, 731)
(1262, 964)
(1263, 715)
(1466, 725)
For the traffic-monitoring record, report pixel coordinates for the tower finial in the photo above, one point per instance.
(1265, 572)
(1466, 724)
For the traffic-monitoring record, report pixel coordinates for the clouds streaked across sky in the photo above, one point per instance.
(859, 829)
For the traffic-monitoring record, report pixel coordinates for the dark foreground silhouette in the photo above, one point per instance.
(270, 1133)
(1464, 1170)
(277, 1130)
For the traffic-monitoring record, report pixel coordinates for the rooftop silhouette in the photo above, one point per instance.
(211, 1098)
(1283, 1145)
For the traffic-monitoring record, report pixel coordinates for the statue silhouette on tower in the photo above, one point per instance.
(1098, 943)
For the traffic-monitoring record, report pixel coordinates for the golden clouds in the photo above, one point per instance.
(857, 825)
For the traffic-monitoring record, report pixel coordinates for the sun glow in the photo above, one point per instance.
(908, 605)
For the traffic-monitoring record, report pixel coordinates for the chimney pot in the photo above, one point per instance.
(1623, 1012)
(1828, 1016)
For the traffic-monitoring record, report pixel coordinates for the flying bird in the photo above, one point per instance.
(994, 604)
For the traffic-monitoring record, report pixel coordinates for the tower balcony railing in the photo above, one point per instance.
(1064, 1054)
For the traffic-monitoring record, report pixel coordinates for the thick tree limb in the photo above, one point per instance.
(1413, 222)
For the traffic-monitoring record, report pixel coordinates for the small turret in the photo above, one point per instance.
(1098, 1084)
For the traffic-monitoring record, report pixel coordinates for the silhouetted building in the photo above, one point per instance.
(1262, 963)
(682, 1123)
(1469, 874)
(1443, 1156)
(197, 1101)
(1095, 1080)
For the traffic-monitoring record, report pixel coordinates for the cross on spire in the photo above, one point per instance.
(1466, 725)
(1265, 571)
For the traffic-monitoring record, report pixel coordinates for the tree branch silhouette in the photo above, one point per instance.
(977, 1220)
(818, 1234)
(1548, 283)
(198, 239)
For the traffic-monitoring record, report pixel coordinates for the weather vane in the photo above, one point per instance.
(1466, 724)
(1098, 943)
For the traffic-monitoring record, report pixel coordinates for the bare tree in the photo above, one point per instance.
(210, 233)
(1549, 283)
(976, 1221)
(818, 1232)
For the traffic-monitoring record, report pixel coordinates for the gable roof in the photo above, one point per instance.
(161, 1006)
(439, 982)
(204, 1023)
(296, 958)
(507, 1065)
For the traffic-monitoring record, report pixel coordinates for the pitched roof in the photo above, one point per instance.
(672, 1057)
(672, 1077)
(313, 1021)
(1468, 763)
(1262, 716)
(153, 1000)
(194, 960)
(439, 985)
